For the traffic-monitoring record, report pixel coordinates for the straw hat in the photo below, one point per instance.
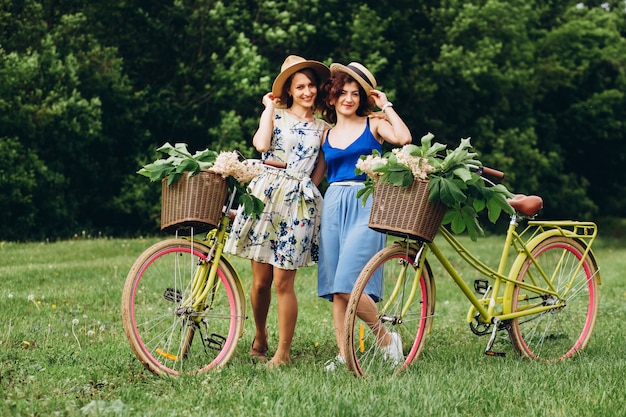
(359, 73)
(293, 64)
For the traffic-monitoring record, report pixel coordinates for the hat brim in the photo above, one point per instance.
(358, 78)
(322, 71)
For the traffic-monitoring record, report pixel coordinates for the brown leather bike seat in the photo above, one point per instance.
(528, 205)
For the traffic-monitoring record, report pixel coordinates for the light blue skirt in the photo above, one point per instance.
(346, 242)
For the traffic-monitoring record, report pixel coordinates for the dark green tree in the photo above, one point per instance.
(90, 89)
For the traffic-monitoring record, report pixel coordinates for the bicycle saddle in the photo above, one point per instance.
(528, 205)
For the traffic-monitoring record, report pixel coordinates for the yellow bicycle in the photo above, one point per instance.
(546, 298)
(183, 304)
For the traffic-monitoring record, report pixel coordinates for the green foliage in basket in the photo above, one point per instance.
(451, 181)
(180, 161)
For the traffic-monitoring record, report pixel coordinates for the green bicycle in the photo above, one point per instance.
(546, 299)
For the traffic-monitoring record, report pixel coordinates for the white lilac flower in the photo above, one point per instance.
(228, 164)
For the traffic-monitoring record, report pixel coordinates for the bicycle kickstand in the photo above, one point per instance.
(488, 350)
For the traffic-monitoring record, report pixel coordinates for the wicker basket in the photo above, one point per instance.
(406, 211)
(195, 201)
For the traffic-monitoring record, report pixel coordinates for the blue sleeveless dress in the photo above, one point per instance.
(346, 243)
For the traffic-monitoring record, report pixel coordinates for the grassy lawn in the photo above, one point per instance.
(63, 351)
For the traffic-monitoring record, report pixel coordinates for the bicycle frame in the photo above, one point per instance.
(541, 288)
(520, 243)
(205, 279)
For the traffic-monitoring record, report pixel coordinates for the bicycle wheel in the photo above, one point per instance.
(559, 333)
(165, 333)
(391, 275)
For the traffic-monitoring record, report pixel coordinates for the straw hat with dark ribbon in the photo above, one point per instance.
(293, 64)
(360, 74)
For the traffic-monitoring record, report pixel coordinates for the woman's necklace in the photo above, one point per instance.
(308, 116)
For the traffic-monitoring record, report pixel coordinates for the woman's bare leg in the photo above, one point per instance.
(366, 311)
(260, 298)
(287, 313)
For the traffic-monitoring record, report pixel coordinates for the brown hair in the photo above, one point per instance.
(331, 90)
(286, 99)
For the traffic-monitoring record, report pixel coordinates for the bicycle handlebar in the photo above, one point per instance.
(482, 170)
(492, 172)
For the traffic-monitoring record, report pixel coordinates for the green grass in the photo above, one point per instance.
(63, 352)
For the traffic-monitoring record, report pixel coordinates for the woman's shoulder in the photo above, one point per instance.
(374, 123)
(323, 124)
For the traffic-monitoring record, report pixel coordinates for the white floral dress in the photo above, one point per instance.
(286, 234)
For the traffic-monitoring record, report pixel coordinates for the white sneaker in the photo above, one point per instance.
(334, 363)
(393, 351)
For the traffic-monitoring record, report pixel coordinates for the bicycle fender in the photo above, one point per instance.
(431, 295)
(521, 257)
(592, 256)
(225, 264)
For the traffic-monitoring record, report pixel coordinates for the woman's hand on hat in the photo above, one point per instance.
(269, 100)
(379, 97)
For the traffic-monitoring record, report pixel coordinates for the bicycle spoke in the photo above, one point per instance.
(159, 319)
(387, 305)
(558, 333)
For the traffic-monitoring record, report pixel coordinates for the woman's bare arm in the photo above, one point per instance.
(263, 136)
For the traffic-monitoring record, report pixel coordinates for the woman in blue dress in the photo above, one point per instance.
(285, 236)
(347, 243)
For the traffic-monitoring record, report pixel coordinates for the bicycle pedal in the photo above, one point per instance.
(170, 294)
(215, 341)
(494, 353)
(481, 286)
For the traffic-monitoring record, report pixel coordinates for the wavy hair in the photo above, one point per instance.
(331, 90)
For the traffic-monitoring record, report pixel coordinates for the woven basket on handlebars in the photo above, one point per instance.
(195, 201)
(406, 211)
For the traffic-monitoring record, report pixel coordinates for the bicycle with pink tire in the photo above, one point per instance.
(546, 298)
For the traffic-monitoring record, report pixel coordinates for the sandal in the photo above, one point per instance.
(259, 353)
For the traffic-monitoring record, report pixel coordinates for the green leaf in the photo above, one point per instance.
(450, 193)
(206, 156)
(178, 150)
(479, 204)
(500, 199)
(366, 191)
(463, 173)
(398, 175)
(428, 150)
(188, 165)
(493, 210)
(414, 150)
(433, 189)
(157, 170)
(501, 189)
(474, 230)
(179, 161)
(426, 140)
(166, 148)
(173, 177)
(457, 222)
(250, 203)
(471, 222)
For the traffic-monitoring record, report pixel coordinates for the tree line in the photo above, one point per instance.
(89, 90)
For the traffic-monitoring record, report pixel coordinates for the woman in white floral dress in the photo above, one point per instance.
(285, 236)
